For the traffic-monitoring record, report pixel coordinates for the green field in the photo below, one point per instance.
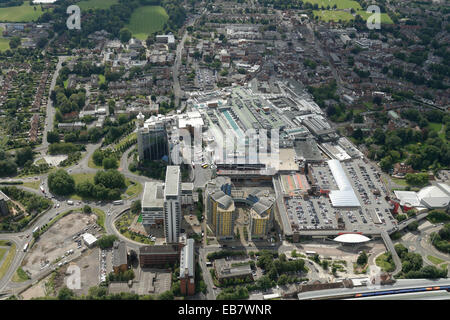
(101, 79)
(336, 15)
(147, 20)
(384, 16)
(81, 177)
(8, 260)
(4, 43)
(383, 264)
(134, 189)
(435, 260)
(341, 4)
(329, 15)
(96, 4)
(2, 252)
(24, 13)
(32, 184)
(100, 217)
(20, 276)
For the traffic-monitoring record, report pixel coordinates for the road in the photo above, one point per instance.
(50, 111)
(421, 243)
(400, 284)
(178, 93)
(20, 238)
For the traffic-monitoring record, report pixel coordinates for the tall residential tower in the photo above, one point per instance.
(172, 204)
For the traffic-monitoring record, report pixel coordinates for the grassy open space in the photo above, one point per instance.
(329, 15)
(437, 127)
(4, 42)
(96, 4)
(101, 79)
(5, 243)
(147, 20)
(23, 13)
(92, 165)
(336, 15)
(2, 252)
(20, 276)
(435, 260)
(340, 4)
(384, 16)
(100, 217)
(134, 188)
(32, 184)
(81, 177)
(383, 264)
(401, 182)
(8, 260)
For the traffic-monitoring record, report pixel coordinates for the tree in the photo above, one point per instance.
(14, 42)
(136, 206)
(362, 259)
(358, 134)
(24, 155)
(413, 226)
(125, 35)
(168, 295)
(85, 189)
(110, 178)
(87, 209)
(106, 241)
(7, 168)
(65, 294)
(283, 280)
(417, 179)
(97, 157)
(264, 282)
(52, 136)
(109, 163)
(61, 183)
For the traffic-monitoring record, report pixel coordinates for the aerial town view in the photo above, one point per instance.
(250, 150)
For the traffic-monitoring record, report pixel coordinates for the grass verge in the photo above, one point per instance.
(8, 260)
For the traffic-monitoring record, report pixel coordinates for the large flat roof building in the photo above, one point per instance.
(159, 255)
(345, 196)
(225, 270)
(153, 203)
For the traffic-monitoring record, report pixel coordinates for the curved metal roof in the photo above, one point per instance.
(351, 238)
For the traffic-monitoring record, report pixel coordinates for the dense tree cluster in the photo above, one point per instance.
(422, 149)
(8, 166)
(121, 276)
(64, 148)
(106, 241)
(112, 19)
(68, 100)
(32, 202)
(224, 253)
(441, 239)
(233, 293)
(412, 266)
(61, 183)
(436, 216)
(107, 186)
